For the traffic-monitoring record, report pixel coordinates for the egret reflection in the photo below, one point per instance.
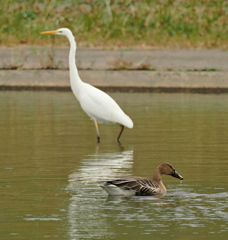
(83, 183)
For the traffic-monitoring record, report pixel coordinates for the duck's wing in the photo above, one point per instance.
(141, 186)
(147, 187)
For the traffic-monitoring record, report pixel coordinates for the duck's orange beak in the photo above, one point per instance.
(181, 178)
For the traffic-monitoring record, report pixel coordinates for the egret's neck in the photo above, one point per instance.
(75, 80)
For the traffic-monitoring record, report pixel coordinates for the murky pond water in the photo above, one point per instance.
(51, 166)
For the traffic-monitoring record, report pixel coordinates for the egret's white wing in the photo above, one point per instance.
(100, 106)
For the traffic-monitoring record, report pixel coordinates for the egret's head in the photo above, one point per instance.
(61, 31)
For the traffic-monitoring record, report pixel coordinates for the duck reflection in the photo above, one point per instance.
(85, 213)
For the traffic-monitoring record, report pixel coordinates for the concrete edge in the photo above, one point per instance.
(123, 81)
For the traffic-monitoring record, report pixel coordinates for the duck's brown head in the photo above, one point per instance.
(167, 169)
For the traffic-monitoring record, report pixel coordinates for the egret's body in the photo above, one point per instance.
(98, 105)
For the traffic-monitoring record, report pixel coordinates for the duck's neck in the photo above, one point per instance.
(158, 179)
(75, 80)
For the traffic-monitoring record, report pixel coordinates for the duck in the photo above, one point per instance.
(140, 186)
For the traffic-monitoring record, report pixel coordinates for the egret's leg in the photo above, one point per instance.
(97, 131)
(121, 131)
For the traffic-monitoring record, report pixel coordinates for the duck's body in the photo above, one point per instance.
(140, 186)
(98, 105)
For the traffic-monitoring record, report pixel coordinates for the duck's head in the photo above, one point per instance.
(167, 169)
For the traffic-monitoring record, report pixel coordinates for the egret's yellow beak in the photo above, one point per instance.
(50, 32)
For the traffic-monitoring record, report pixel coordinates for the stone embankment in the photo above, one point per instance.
(116, 70)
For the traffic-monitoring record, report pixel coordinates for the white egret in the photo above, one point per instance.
(99, 106)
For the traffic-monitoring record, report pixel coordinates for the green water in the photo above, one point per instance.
(50, 166)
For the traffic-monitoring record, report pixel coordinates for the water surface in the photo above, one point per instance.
(51, 166)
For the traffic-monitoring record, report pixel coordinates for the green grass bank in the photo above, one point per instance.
(117, 23)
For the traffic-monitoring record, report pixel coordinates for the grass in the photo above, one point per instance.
(117, 23)
(126, 64)
(209, 69)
